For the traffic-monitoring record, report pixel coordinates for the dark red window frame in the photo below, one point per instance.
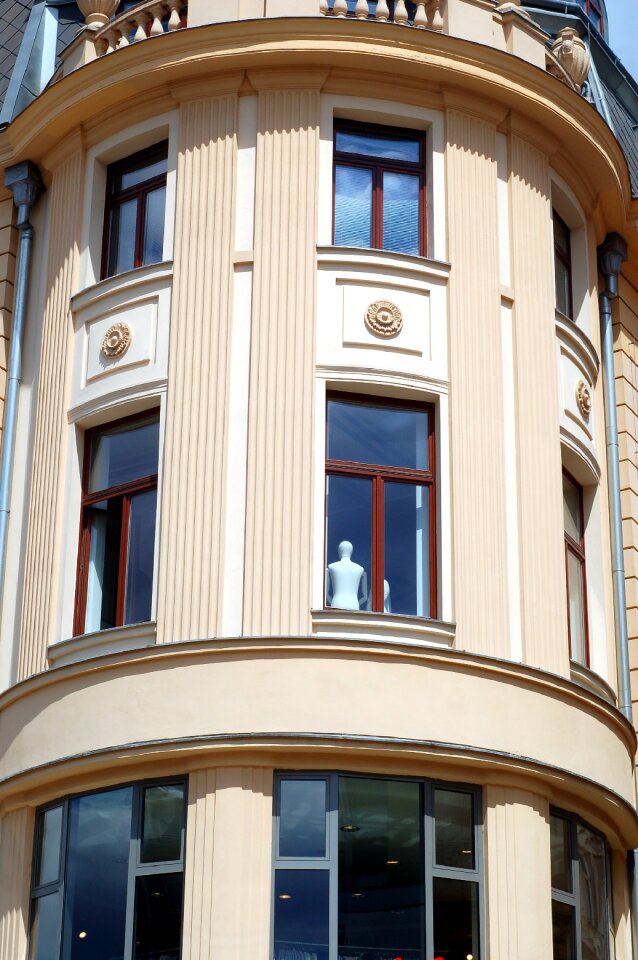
(378, 167)
(122, 491)
(592, 6)
(577, 548)
(566, 260)
(139, 192)
(379, 474)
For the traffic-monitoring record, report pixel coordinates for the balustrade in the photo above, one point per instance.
(423, 14)
(148, 19)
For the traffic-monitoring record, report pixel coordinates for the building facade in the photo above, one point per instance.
(318, 508)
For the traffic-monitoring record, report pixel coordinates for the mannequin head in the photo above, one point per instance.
(345, 550)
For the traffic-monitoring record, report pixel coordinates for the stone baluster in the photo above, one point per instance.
(324, 8)
(361, 10)
(174, 22)
(420, 17)
(435, 15)
(157, 12)
(340, 8)
(140, 22)
(125, 29)
(400, 12)
(101, 45)
(383, 11)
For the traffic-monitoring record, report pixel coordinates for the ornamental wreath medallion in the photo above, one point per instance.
(583, 398)
(384, 318)
(116, 340)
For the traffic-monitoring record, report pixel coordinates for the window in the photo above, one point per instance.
(594, 10)
(380, 510)
(134, 214)
(580, 890)
(117, 533)
(379, 188)
(563, 266)
(575, 570)
(108, 875)
(369, 869)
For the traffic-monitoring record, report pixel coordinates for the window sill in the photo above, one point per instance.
(585, 677)
(573, 337)
(130, 281)
(384, 261)
(101, 643)
(386, 627)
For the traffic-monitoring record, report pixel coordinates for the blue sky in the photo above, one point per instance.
(623, 31)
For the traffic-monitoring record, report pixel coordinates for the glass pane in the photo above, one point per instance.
(561, 235)
(560, 830)
(563, 287)
(104, 561)
(158, 916)
(139, 564)
(454, 829)
(406, 570)
(353, 207)
(381, 884)
(124, 453)
(45, 928)
(163, 822)
(141, 172)
(302, 818)
(572, 509)
(97, 875)
(121, 255)
(401, 228)
(576, 608)
(301, 915)
(456, 919)
(50, 842)
(371, 433)
(348, 543)
(563, 931)
(370, 144)
(593, 894)
(154, 226)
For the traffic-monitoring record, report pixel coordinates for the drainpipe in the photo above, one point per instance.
(611, 254)
(25, 183)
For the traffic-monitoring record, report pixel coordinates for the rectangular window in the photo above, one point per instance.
(380, 506)
(563, 266)
(134, 213)
(397, 871)
(580, 890)
(593, 9)
(117, 534)
(575, 570)
(108, 875)
(379, 188)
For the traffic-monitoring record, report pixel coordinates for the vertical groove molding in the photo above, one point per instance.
(8, 247)
(228, 864)
(519, 923)
(542, 556)
(277, 596)
(16, 834)
(49, 447)
(476, 388)
(192, 507)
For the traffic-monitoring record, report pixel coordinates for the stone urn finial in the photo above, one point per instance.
(97, 12)
(571, 52)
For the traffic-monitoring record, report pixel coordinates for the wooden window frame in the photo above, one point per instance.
(139, 192)
(593, 5)
(577, 548)
(379, 166)
(379, 474)
(566, 262)
(123, 492)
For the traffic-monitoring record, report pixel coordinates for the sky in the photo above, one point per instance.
(623, 32)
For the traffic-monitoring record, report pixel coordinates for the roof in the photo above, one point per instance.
(626, 129)
(13, 20)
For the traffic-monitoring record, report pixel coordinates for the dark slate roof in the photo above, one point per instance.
(13, 20)
(626, 130)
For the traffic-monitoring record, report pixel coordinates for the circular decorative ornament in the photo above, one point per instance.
(116, 340)
(583, 398)
(384, 318)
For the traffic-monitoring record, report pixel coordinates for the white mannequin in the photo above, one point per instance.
(347, 579)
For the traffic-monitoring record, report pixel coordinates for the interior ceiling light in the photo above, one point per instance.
(392, 863)
(82, 935)
(466, 853)
(350, 828)
(285, 896)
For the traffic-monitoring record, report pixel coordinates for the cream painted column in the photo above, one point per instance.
(193, 489)
(277, 595)
(476, 389)
(518, 868)
(16, 839)
(228, 864)
(51, 428)
(542, 555)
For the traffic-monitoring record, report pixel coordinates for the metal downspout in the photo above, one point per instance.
(611, 254)
(25, 183)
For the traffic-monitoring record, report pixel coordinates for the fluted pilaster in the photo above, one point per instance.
(16, 838)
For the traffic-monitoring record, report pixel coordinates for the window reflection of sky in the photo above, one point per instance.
(389, 436)
(406, 543)
(301, 914)
(353, 206)
(368, 144)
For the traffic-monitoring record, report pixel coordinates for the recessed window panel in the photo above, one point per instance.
(154, 226)
(45, 928)
(353, 206)
(406, 549)
(348, 542)
(380, 434)
(369, 144)
(104, 556)
(576, 598)
(454, 828)
(593, 893)
(140, 173)
(401, 227)
(162, 821)
(121, 232)
(572, 509)
(50, 841)
(301, 924)
(563, 931)
(158, 916)
(302, 818)
(560, 833)
(139, 567)
(123, 454)
(455, 912)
